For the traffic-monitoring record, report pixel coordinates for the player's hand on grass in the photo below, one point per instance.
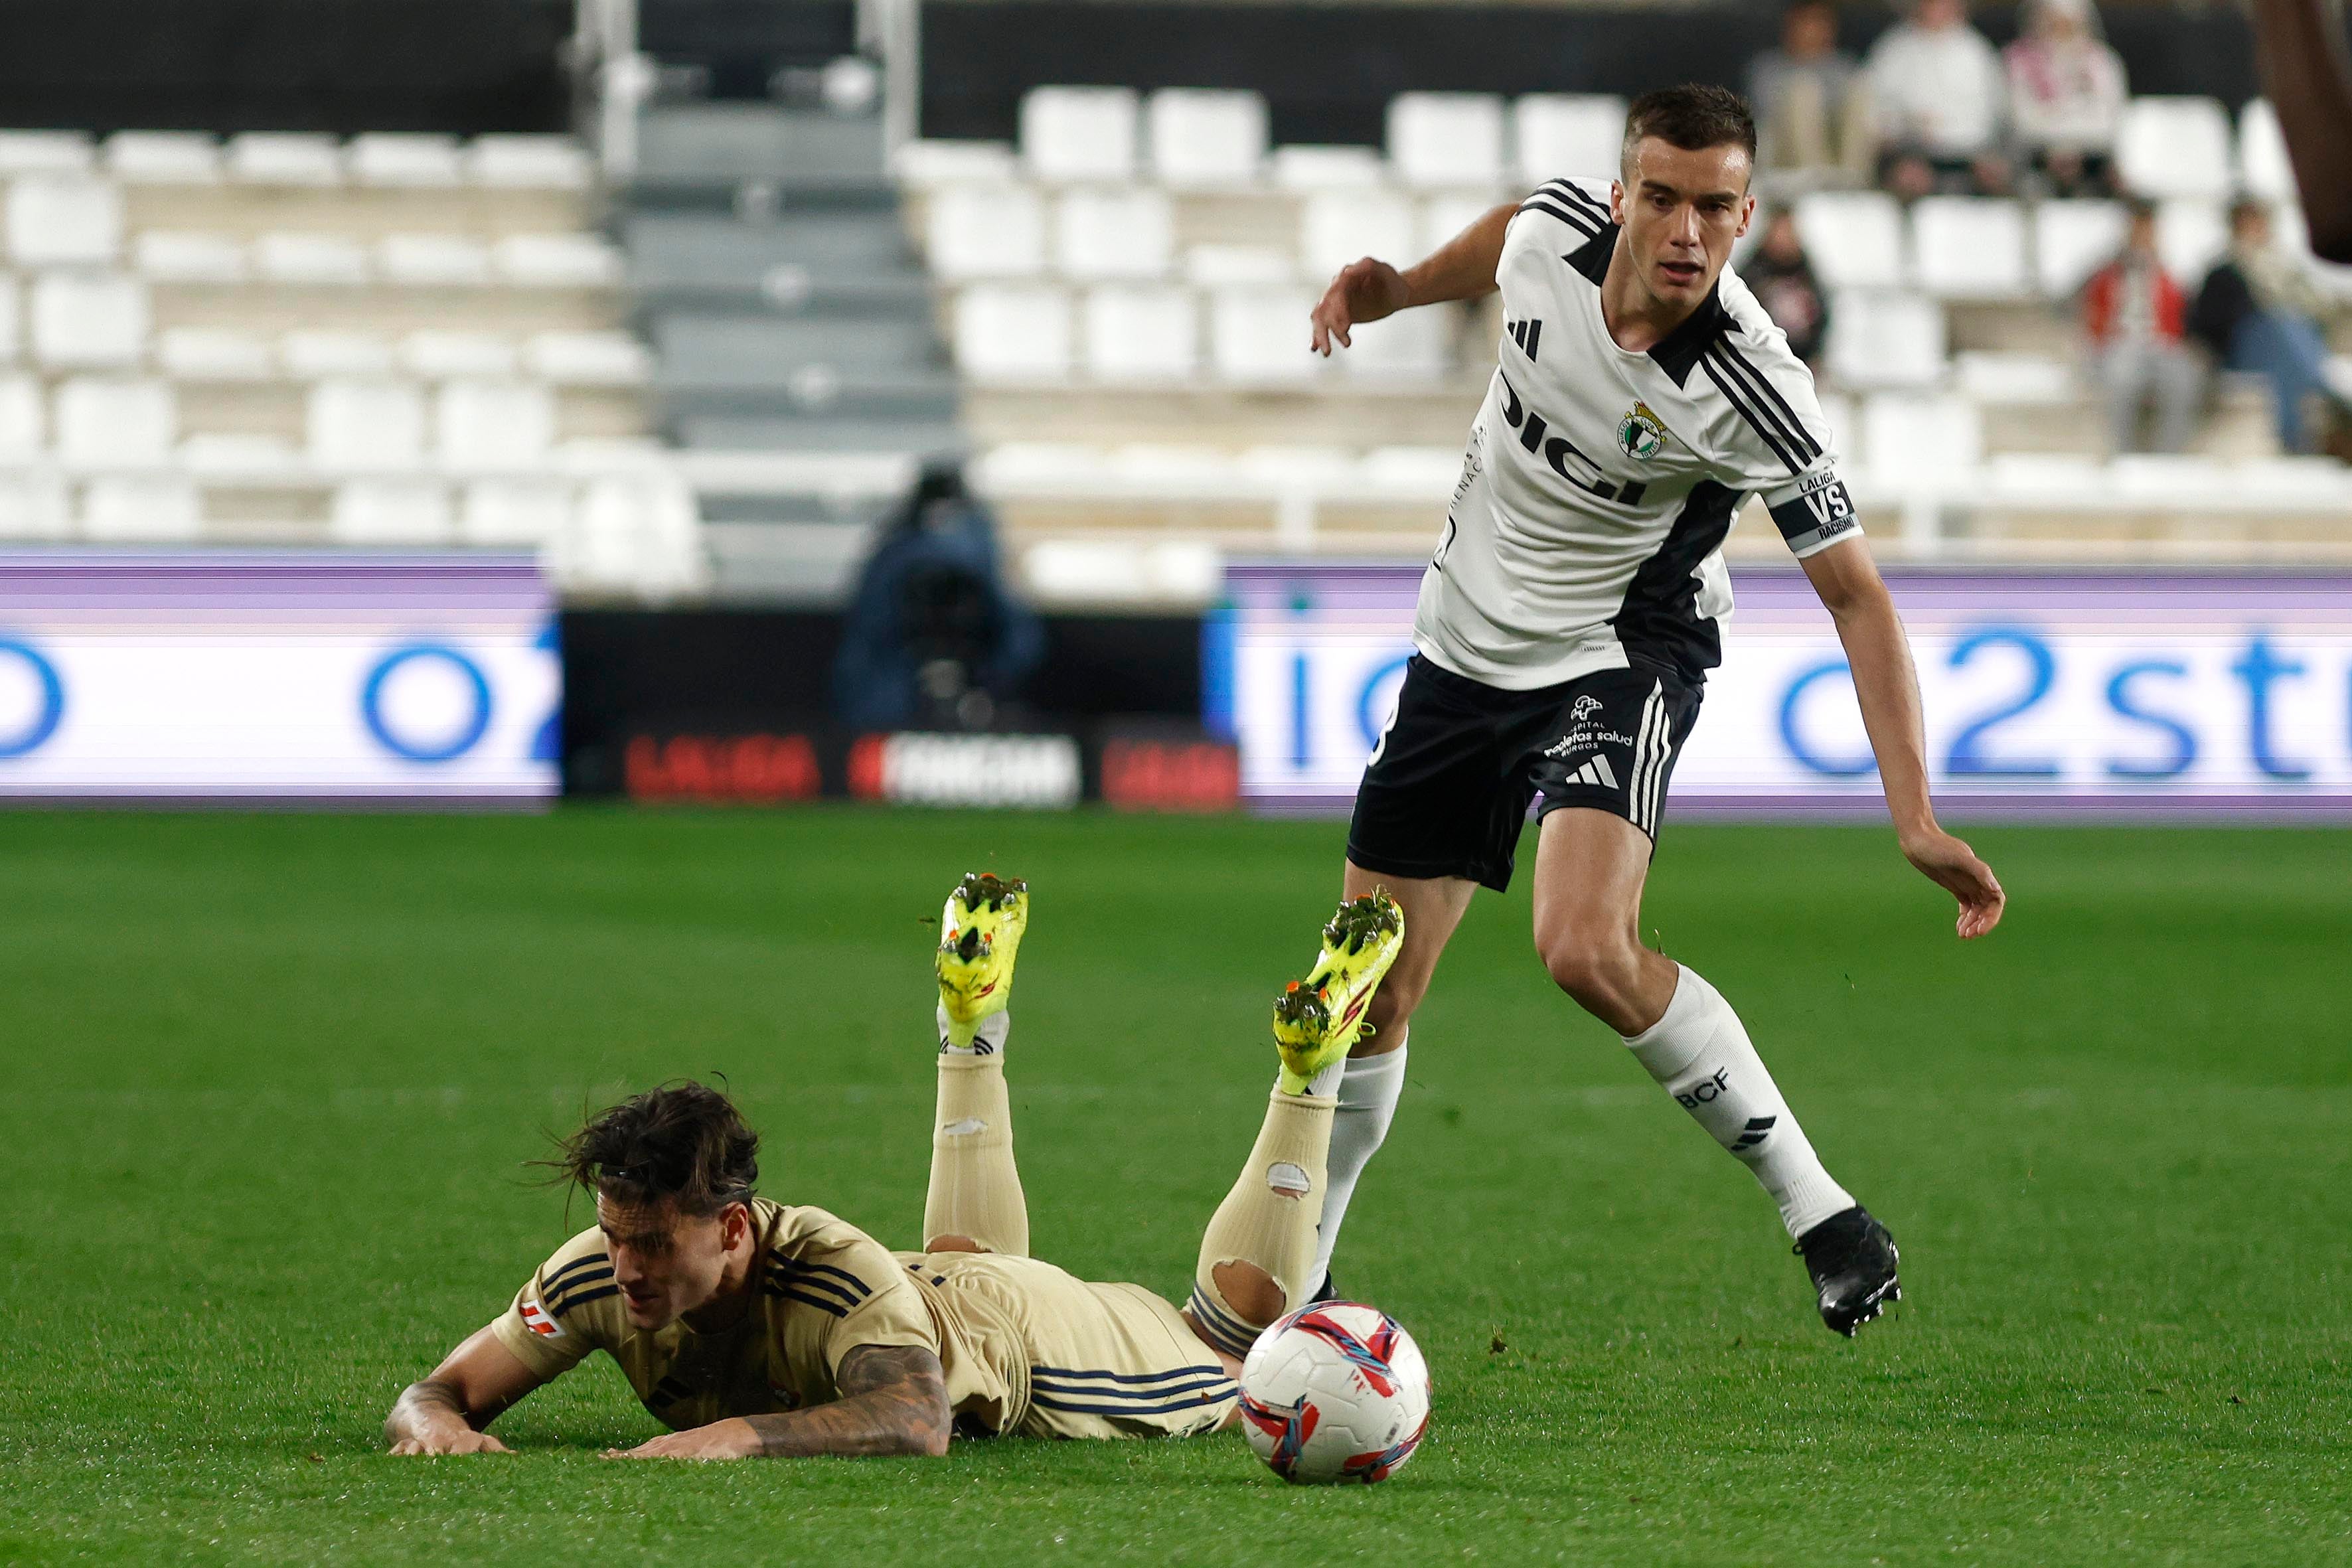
(1361, 292)
(729, 1439)
(464, 1440)
(1954, 865)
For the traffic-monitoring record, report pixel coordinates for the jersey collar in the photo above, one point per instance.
(1677, 352)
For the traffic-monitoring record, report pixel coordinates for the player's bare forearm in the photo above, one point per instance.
(2307, 71)
(894, 1402)
(1371, 289)
(430, 1418)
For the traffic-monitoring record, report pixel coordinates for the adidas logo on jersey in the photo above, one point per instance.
(1596, 773)
(1526, 334)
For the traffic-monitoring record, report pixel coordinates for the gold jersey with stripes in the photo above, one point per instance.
(1586, 529)
(1024, 1345)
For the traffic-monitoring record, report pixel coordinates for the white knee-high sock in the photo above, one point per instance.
(1366, 1092)
(1699, 1051)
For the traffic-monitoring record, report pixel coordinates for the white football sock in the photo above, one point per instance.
(1367, 1090)
(988, 1040)
(1700, 1052)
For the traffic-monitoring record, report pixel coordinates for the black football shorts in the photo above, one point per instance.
(1450, 783)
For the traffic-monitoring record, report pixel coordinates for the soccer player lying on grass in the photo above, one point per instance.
(751, 1327)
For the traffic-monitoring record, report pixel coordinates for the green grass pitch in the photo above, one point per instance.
(272, 1081)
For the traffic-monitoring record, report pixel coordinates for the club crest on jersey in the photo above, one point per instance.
(1639, 434)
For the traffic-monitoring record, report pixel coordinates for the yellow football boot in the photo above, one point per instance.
(1319, 1019)
(979, 936)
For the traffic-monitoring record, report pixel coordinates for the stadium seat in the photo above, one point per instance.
(182, 256)
(1970, 248)
(32, 506)
(932, 166)
(1410, 471)
(1142, 333)
(2014, 378)
(2072, 239)
(2263, 167)
(982, 233)
(2175, 147)
(142, 509)
(1910, 436)
(557, 261)
(1307, 169)
(493, 424)
(513, 511)
(44, 152)
(64, 220)
(1114, 234)
(365, 423)
(24, 422)
(12, 318)
(1335, 228)
(1443, 217)
(1557, 134)
(1210, 265)
(527, 163)
(1845, 428)
(411, 160)
(587, 358)
(283, 257)
(1446, 139)
(239, 458)
(437, 354)
(1012, 331)
(280, 158)
(1412, 346)
(88, 320)
(2190, 236)
(108, 422)
(637, 534)
(1076, 134)
(309, 354)
(1886, 338)
(1195, 138)
(432, 260)
(163, 158)
(1258, 334)
(389, 511)
(1853, 238)
(212, 353)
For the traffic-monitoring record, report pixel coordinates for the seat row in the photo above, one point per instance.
(395, 160)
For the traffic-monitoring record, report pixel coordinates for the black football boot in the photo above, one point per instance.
(1852, 1259)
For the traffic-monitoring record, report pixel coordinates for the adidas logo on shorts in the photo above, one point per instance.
(1596, 773)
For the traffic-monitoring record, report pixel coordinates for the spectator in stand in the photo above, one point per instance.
(1812, 103)
(1936, 83)
(1782, 281)
(2066, 97)
(2135, 317)
(2259, 311)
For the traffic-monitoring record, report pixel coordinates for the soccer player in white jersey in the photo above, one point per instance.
(1570, 615)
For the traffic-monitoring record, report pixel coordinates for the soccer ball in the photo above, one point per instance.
(1336, 1392)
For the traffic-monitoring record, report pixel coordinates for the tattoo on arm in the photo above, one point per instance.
(894, 1400)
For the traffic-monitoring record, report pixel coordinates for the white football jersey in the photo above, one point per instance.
(1585, 532)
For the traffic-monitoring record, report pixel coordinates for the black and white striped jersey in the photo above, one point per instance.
(1587, 527)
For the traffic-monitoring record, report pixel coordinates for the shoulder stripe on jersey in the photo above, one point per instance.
(1582, 225)
(555, 1280)
(581, 1298)
(1726, 385)
(1791, 428)
(775, 1288)
(844, 1275)
(1589, 204)
(562, 1295)
(793, 1279)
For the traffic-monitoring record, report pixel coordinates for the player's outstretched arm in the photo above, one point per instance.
(1366, 290)
(894, 1400)
(445, 1413)
(1887, 687)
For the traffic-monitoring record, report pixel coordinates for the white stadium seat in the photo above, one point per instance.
(1886, 338)
(493, 424)
(1114, 234)
(32, 506)
(12, 318)
(929, 165)
(981, 233)
(309, 354)
(2169, 147)
(64, 220)
(1012, 331)
(513, 511)
(1258, 334)
(44, 152)
(1210, 265)
(1409, 347)
(1308, 168)
(1335, 228)
(389, 511)
(2263, 166)
(1572, 134)
(2190, 236)
(1437, 139)
(163, 158)
(1443, 217)
(283, 158)
(413, 160)
(1196, 138)
(186, 256)
(643, 535)
(107, 422)
(521, 162)
(1970, 248)
(1142, 333)
(284, 257)
(239, 458)
(88, 319)
(141, 509)
(1853, 238)
(432, 260)
(1913, 435)
(366, 423)
(590, 358)
(2013, 378)
(558, 261)
(1076, 134)
(437, 354)
(212, 353)
(2072, 239)
(24, 421)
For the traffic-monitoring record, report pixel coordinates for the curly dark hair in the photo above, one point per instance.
(682, 1143)
(1693, 117)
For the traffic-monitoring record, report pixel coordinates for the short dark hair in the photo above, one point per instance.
(1693, 117)
(682, 1143)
